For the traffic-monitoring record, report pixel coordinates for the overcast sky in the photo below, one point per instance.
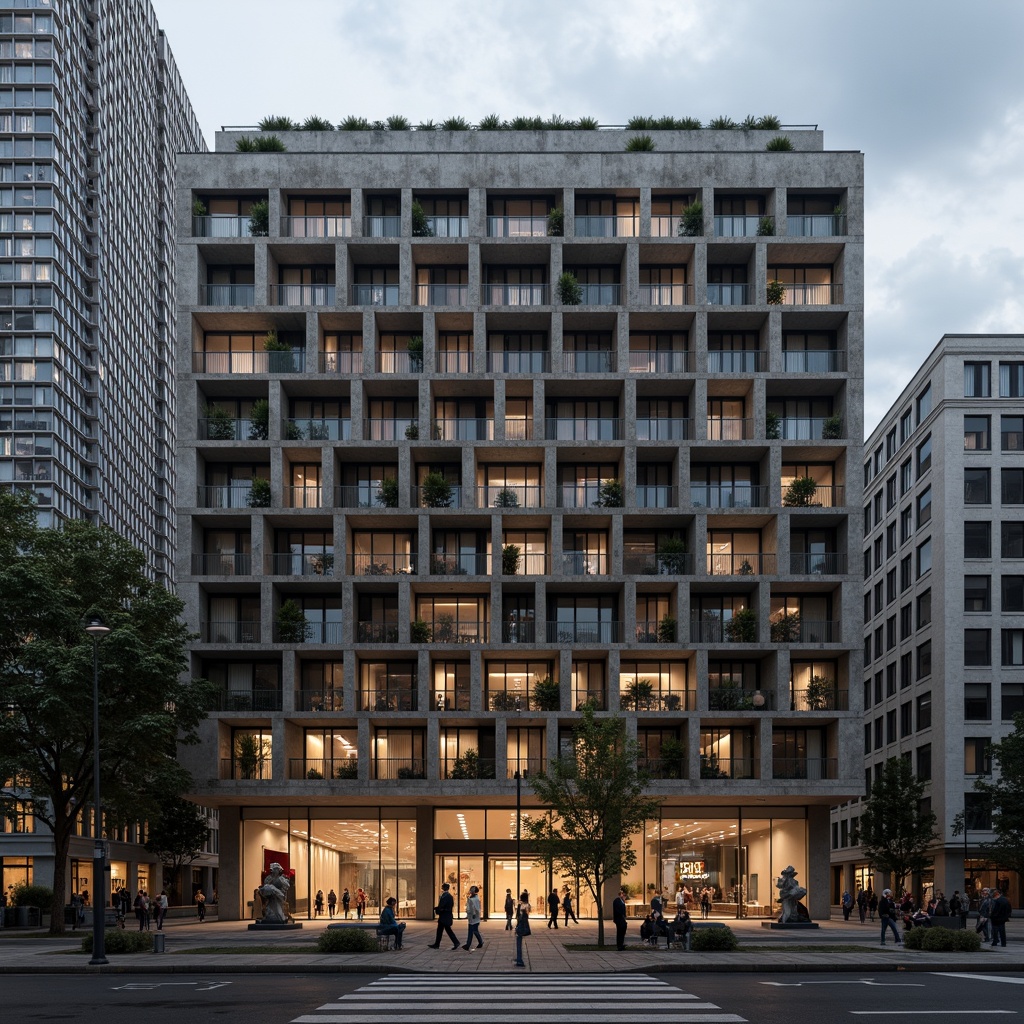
(931, 91)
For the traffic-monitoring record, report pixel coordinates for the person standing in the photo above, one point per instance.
(705, 904)
(360, 903)
(522, 926)
(959, 905)
(680, 900)
(473, 911)
(160, 904)
(567, 906)
(77, 911)
(201, 905)
(984, 911)
(619, 919)
(318, 903)
(332, 903)
(554, 904)
(887, 915)
(998, 916)
(140, 908)
(847, 904)
(510, 909)
(445, 911)
(862, 905)
(389, 924)
(872, 903)
(346, 900)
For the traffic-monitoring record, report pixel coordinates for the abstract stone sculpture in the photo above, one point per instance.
(790, 894)
(274, 893)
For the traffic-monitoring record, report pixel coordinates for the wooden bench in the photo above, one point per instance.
(383, 941)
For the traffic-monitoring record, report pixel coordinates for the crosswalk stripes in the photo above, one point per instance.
(515, 999)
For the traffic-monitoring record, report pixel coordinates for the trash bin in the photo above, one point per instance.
(158, 942)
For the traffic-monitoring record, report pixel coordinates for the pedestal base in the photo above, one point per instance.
(788, 925)
(259, 926)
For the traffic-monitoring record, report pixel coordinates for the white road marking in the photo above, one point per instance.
(860, 981)
(980, 977)
(145, 986)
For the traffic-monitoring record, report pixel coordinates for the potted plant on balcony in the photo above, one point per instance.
(692, 221)
(259, 218)
(832, 428)
(387, 493)
(729, 696)
(314, 774)
(435, 491)
(547, 694)
(556, 222)
(569, 290)
(199, 208)
(420, 224)
(467, 766)
(821, 694)
(801, 493)
(766, 226)
(775, 294)
(507, 700)
(446, 631)
(292, 627)
(671, 556)
(220, 424)
(259, 420)
(419, 632)
(251, 754)
(742, 627)
(506, 498)
(709, 768)
(772, 425)
(673, 759)
(348, 769)
(411, 772)
(412, 432)
(280, 358)
(259, 493)
(667, 630)
(639, 695)
(511, 555)
(746, 569)
(609, 494)
(415, 348)
(786, 629)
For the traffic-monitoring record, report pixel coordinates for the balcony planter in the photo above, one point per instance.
(220, 424)
(746, 569)
(832, 428)
(292, 627)
(672, 556)
(673, 757)
(692, 221)
(445, 631)
(502, 700)
(569, 290)
(349, 770)
(609, 495)
(415, 349)
(772, 427)
(786, 629)
(546, 695)
(742, 627)
(259, 218)
(419, 632)
(667, 630)
(435, 491)
(314, 774)
(775, 293)
(259, 420)
(251, 753)
(466, 767)
(387, 494)
(506, 498)
(766, 226)
(556, 222)
(412, 432)
(639, 695)
(410, 773)
(801, 493)
(511, 555)
(821, 694)
(709, 768)
(259, 493)
(420, 224)
(199, 208)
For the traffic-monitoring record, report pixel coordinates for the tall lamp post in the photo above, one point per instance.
(97, 629)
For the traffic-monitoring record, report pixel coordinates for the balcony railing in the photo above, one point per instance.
(442, 294)
(819, 699)
(399, 362)
(712, 767)
(636, 699)
(737, 225)
(303, 497)
(377, 226)
(448, 227)
(451, 699)
(399, 768)
(627, 226)
(823, 496)
(509, 496)
(728, 294)
(599, 294)
(221, 225)
(664, 225)
(736, 361)
(515, 294)
(303, 429)
(816, 225)
(374, 294)
(341, 362)
(454, 362)
(584, 563)
(224, 495)
(384, 565)
(290, 563)
(588, 362)
(235, 429)
(465, 564)
(579, 495)
(656, 631)
(319, 700)
(227, 294)
(763, 564)
(519, 632)
(249, 362)
(656, 496)
(316, 227)
(237, 769)
(657, 361)
(526, 767)
(519, 429)
(376, 632)
(804, 294)
(805, 768)
(517, 227)
(229, 631)
(736, 698)
(231, 563)
(580, 429)
(302, 294)
(708, 629)
(313, 633)
(531, 563)
(389, 698)
(322, 768)
(666, 294)
(584, 632)
(443, 631)
(728, 495)
(464, 430)
(252, 699)
(822, 563)
(663, 767)
(454, 768)
(518, 362)
(809, 428)
(663, 428)
(397, 429)
(792, 629)
(814, 361)
(365, 495)
(730, 429)
(424, 497)
(652, 564)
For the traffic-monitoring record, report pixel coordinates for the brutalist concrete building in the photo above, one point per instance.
(944, 601)
(480, 427)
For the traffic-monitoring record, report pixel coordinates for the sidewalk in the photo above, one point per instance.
(544, 952)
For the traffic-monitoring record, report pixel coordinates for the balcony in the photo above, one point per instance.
(374, 294)
(734, 495)
(813, 768)
(584, 632)
(517, 362)
(309, 496)
(736, 698)
(599, 428)
(221, 225)
(226, 429)
(249, 362)
(376, 632)
(442, 294)
(581, 495)
(468, 429)
(466, 563)
(320, 768)
(529, 563)
(600, 294)
(476, 768)
(304, 429)
(736, 361)
(663, 767)
(821, 496)
(394, 428)
(429, 497)
(517, 227)
(524, 767)
(224, 495)
(230, 563)
(522, 631)
(642, 696)
(314, 633)
(289, 563)
(250, 699)
(402, 769)
(454, 362)
(659, 361)
(446, 631)
(227, 294)
(792, 629)
(820, 698)
(509, 496)
(261, 771)
(387, 226)
(664, 225)
(710, 628)
(319, 700)
(389, 698)
(817, 225)
(229, 631)
(822, 563)
(515, 294)
(666, 294)
(656, 631)
(520, 429)
(813, 295)
(675, 563)
(814, 361)
(384, 565)
(713, 767)
(606, 226)
(588, 362)
(399, 362)
(657, 496)
(365, 495)
(448, 227)
(663, 428)
(584, 563)
(754, 564)
(316, 227)
(737, 225)
(810, 428)
(302, 295)
(730, 428)
(728, 294)
(341, 362)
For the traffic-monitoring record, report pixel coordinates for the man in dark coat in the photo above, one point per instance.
(998, 916)
(554, 903)
(619, 917)
(445, 916)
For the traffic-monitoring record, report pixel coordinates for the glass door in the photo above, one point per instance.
(460, 873)
(502, 875)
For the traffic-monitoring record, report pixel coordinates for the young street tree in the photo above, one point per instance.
(597, 801)
(177, 836)
(894, 831)
(51, 580)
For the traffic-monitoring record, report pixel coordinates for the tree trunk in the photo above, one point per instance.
(599, 894)
(61, 844)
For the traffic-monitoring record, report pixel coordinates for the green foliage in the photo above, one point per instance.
(346, 940)
(260, 494)
(490, 123)
(895, 832)
(640, 122)
(435, 491)
(714, 940)
(673, 759)
(786, 629)
(220, 424)
(780, 144)
(766, 227)
(259, 218)
(511, 555)
(588, 124)
(672, 556)
(596, 792)
(692, 221)
(821, 694)
(426, 126)
(640, 144)
(769, 122)
(419, 632)
(420, 229)
(749, 122)
(667, 630)
(609, 494)
(556, 222)
(506, 498)
(199, 208)
(271, 343)
(568, 289)
(455, 124)
(412, 432)
(317, 124)
(638, 695)
(832, 428)
(277, 123)
(251, 754)
(526, 124)
(937, 939)
(398, 123)
(557, 123)
(117, 941)
(260, 144)
(772, 425)
(292, 627)
(348, 769)
(178, 833)
(40, 896)
(728, 696)
(723, 123)
(51, 580)
(414, 346)
(259, 420)
(352, 123)
(689, 124)
(801, 492)
(775, 293)
(387, 494)
(709, 768)
(742, 627)
(466, 767)
(546, 695)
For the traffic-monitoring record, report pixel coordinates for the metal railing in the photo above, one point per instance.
(229, 631)
(520, 632)
(464, 429)
(304, 429)
(819, 699)
(518, 429)
(515, 294)
(289, 563)
(815, 225)
(728, 294)
(588, 362)
(400, 768)
(231, 563)
(823, 496)
(657, 496)
(652, 564)
(584, 632)
(792, 629)
(737, 225)
(808, 428)
(253, 699)
(509, 496)
(359, 496)
(822, 563)
(664, 225)
(382, 226)
(712, 767)
(708, 629)
(384, 565)
(728, 496)
(235, 429)
(814, 361)
(740, 428)
(517, 227)
(763, 564)
(525, 766)
(581, 429)
(302, 294)
(804, 294)
(303, 497)
(442, 294)
(316, 227)
(448, 227)
(663, 767)
(443, 631)
(611, 226)
(451, 699)
(658, 361)
(805, 768)
(530, 563)
(240, 770)
(518, 362)
(389, 699)
(737, 698)
(584, 563)
(227, 294)
(322, 768)
(224, 495)
(666, 295)
(454, 362)
(484, 768)
(463, 564)
(637, 699)
(376, 632)
(578, 495)
(312, 633)
(595, 294)
(221, 225)
(664, 428)
(394, 429)
(374, 294)
(399, 362)
(249, 362)
(656, 631)
(319, 700)
(736, 361)
(425, 497)
(341, 362)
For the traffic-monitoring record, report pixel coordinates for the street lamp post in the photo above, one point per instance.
(97, 629)
(519, 802)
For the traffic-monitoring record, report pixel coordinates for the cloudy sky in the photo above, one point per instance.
(931, 91)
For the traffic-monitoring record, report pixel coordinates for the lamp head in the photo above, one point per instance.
(96, 627)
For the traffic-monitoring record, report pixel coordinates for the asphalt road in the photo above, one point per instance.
(522, 998)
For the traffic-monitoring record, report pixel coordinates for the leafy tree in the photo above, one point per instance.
(894, 831)
(597, 801)
(50, 581)
(177, 836)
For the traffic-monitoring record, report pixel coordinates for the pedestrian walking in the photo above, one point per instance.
(554, 904)
(77, 911)
(201, 905)
(862, 905)
(567, 906)
(360, 904)
(872, 904)
(160, 905)
(332, 903)
(140, 908)
(887, 915)
(705, 904)
(510, 909)
(847, 904)
(522, 926)
(346, 900)
(473, 913)
(445, 911)
(619, 919)
(998, 916)
(318, 903)
(984, 910)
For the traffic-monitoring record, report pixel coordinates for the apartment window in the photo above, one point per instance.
(878, 642)
(924, 609)
(924, 456)
(867, 518)
(924, 660)
(906, 621)
(890, 586)
(906, 525)
(906, 426)
(890, 726)
(876, 508)
(878, 687)
(924, 762)
(1011, 433)
(1011, 486)
(924, 507)
(977, 593)
(867, 650)
(1012, 700)
(879, 726)
(867, 472)
(924, 557)
(867, 561)
(867, 606)
(890, 633)
(890, 444)
(878, 597)
(978, 539)
(1013, 648)
(977, 380)
(890, 540)
(877, 460)
(976, 434)
(890, 493)
(906, 670)
(878, 553)
(1011, 540)
(906, 719)
(1011, 380)
(977, 702)
(977, 487)
(906, 476)
(924, 404)
(867, 738)
(890, 680)
(977, 759)
(906, 573)
(1012, 594)
(924, 711)
(978, 647)
(978, 810)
